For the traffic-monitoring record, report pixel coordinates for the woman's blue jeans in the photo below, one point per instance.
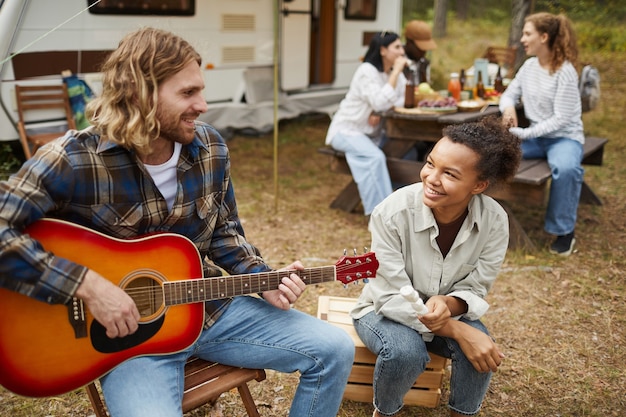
(368, 165)
(403, 356)
(564, 157)
(253, 334)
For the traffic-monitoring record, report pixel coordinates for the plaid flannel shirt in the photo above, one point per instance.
(87, 180)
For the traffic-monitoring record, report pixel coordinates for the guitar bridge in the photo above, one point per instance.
(76, 316)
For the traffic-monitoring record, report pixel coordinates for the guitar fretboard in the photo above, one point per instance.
(214, 288)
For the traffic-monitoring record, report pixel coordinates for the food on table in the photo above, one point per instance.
(471, 105)
(437, 103)
(425, 88)
(492, 96)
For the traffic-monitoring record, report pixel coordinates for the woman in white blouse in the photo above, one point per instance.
(548, 85)
(356, 129)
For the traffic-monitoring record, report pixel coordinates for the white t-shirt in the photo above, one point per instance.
(164, 176)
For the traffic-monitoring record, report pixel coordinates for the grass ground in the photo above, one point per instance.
(560, 321)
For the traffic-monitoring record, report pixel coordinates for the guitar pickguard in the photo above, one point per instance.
(104, 344)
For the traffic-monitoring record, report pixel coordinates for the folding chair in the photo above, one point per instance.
(40, 109)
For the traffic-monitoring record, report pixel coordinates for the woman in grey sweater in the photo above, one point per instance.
(548, 85)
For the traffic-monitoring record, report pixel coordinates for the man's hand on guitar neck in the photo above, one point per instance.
(288, 291)
(109, 305)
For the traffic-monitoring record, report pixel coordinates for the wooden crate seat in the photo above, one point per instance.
(426, 391)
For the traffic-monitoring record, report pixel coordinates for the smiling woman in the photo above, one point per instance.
(453, 276)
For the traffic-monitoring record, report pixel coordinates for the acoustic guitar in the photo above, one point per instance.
(48, 350)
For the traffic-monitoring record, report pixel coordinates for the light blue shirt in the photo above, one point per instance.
(403, 237)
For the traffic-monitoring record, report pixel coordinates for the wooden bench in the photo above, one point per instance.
(426, 391)
(204, 382)
(400, 171)
(531, 183)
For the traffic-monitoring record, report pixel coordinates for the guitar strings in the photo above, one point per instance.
(187, 289)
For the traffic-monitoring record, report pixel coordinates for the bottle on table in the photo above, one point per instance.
(480, 87)
(497, 83)
(469, 85)
(423, 71)
(462, 79)
(409, 92)
(454, 86)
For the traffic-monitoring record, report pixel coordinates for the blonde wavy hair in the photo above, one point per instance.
(561, 37)
(126, 111)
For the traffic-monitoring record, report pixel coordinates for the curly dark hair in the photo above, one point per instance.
(499, 150)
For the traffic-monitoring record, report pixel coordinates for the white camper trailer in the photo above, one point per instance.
(319, 45)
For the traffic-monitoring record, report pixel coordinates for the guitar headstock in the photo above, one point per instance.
(353, 268)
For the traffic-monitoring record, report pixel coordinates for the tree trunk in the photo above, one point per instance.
(462, 9)
(520, 9)
(409, 9)
(439, 26)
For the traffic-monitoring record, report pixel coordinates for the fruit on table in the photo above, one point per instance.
(442, 102)
(425, 88)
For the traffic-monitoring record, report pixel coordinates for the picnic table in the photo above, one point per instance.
(408, 130)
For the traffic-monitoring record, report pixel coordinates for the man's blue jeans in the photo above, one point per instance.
(403, 356)
(564, 157)
(252, 334)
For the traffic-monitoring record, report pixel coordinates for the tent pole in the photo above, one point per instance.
(276, 49)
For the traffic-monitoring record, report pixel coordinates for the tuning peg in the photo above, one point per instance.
(354, 251)
(365, 249)
(345, 252)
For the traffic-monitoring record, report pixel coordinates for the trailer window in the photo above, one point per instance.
(149, 7)
(360, 10)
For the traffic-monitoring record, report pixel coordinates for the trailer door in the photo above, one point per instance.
(295, 40)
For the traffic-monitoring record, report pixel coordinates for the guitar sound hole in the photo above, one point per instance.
(147, 293)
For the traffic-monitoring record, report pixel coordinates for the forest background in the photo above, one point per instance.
(560, 321)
